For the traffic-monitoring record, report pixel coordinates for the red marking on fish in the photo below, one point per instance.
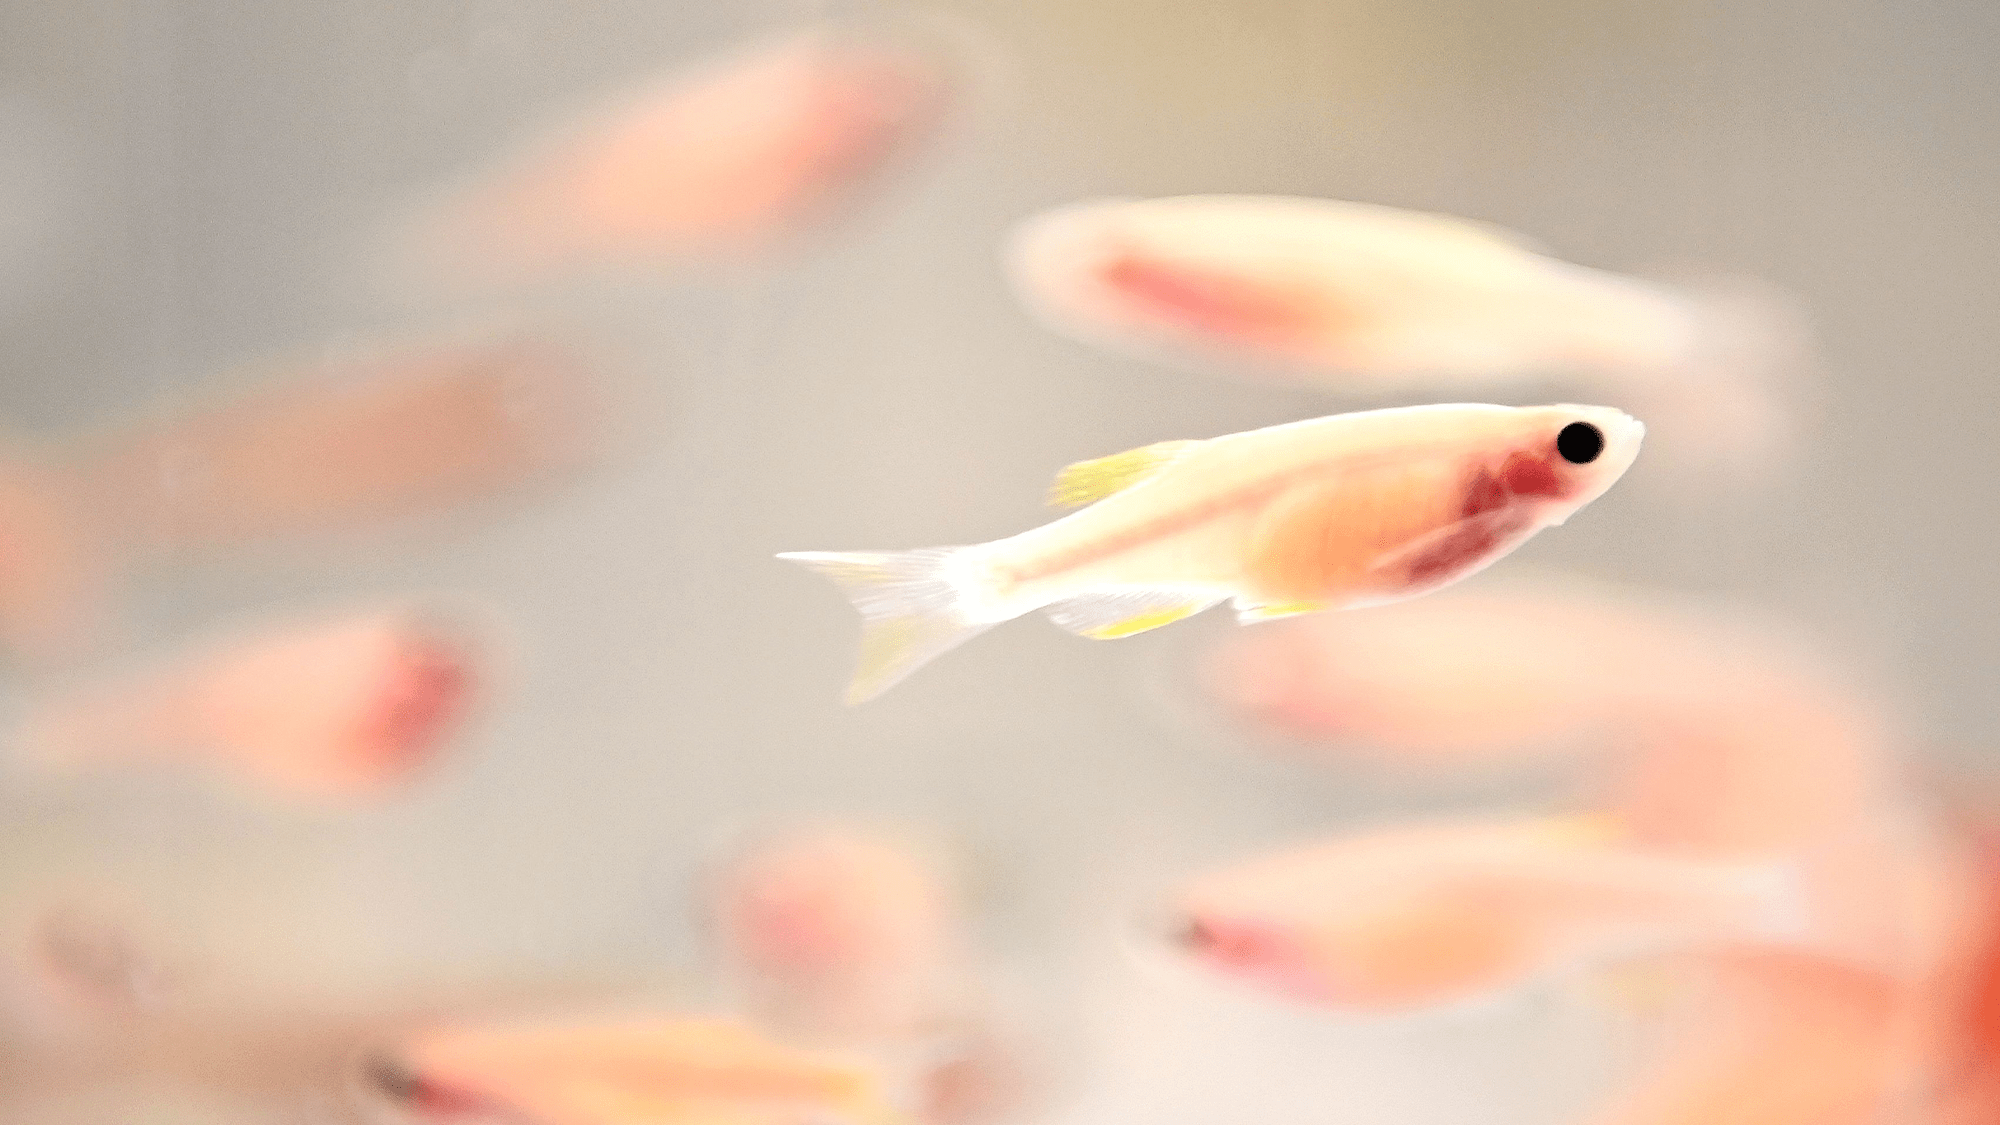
(1528, 475)
(1210, 304)
(1483, 493)
(426, 693)
(1469, 542)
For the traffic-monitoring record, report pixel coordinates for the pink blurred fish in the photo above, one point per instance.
(838, 933)
(358, 444)
(728, 159)
(361, 442)
(331, 709)
(1373, 299)
(854, 938)
(1780, 1039)
(1422, 915)
(623, 1072)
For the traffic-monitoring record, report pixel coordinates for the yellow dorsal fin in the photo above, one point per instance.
(1087, 482)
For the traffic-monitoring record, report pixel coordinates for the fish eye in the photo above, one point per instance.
(1580, 443)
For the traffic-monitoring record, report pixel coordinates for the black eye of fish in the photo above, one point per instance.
(1580, 443)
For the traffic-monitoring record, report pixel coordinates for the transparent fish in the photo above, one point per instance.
(354, 443)
(326, 709)
(1336, 512)
(1778, 1039)
(854, 939)
(746, 150)
(622, 1072)
(1431, 914)
(1370, 299)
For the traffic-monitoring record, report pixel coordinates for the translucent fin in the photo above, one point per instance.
(1121, 613)
(1249, 614)
(1087, 482)
(911, 610)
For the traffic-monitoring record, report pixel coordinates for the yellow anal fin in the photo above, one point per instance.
(1139, 623)
(1087, 482)
(1110, 615)
(1253, 613)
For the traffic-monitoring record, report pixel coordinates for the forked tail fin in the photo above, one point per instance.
(911, 610)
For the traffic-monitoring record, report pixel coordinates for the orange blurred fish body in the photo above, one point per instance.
(1417, 916)
(372, 441)
(853, 939)
(1371, 299)
(625, 1072)
(752, 148)
(1335, 512)
(1782, 1039)
(837, 933)
(331, 709)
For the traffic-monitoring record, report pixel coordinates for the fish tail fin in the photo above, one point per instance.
(913, 608)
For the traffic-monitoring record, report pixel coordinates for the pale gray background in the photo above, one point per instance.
(184, 188)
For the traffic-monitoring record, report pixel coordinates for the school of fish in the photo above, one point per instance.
(1742, 863)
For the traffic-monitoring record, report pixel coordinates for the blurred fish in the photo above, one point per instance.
(852, 939)
(838, 934)
(623, 1072)
(363, 442)
(1348, 510)
(1371, 299)
(330, 709)
(1783, 1039)
(1467, 677)
(749, 149)
(1431, 914)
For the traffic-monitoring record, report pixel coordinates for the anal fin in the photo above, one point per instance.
(1249, 614)
(1111, 614)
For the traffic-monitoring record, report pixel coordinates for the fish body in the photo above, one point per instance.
(1431, 914)
(729, 159)
(1359, 298)
(332, 710)
(625, 1072)
(1334, 512)
(1377, 292)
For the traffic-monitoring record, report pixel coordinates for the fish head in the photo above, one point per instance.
(1569, 455)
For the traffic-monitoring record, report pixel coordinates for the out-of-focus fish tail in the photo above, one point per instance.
(912, 609)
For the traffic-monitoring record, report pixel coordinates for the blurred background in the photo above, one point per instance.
(189, 190)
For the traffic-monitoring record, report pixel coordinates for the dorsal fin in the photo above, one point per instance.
(1087, 482)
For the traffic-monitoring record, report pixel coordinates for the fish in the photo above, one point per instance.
(1783, 1038)
(355, 443)
(1421, 915)
(837, 932)
(624, 1071)
(1336, 512)
(726, 161)
(1366, 299)
(853, 938)
(334, 709)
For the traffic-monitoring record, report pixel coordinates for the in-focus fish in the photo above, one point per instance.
(1431, 914)
(740, 154)
(1348, 510)
(1371, 298)
(624, 1072)
(337, 709)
